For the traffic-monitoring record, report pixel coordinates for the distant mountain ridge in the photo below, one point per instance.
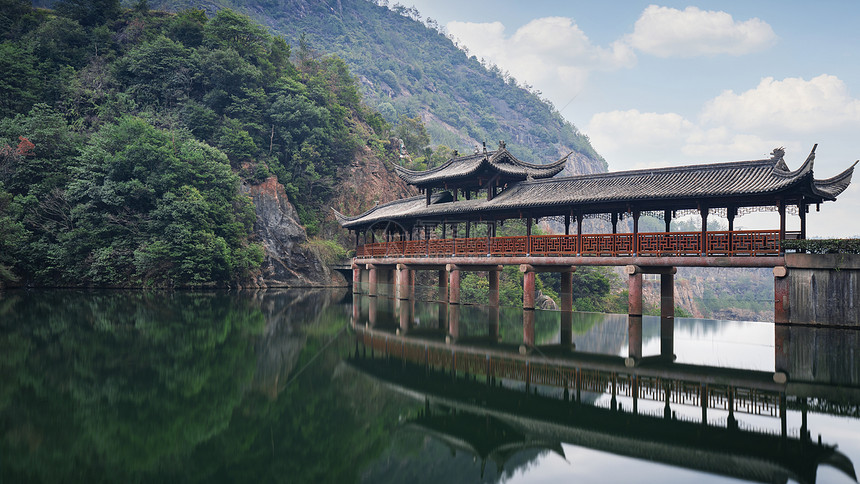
(407, 68)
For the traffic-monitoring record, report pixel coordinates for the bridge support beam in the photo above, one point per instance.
(493, 278)
(453, 283)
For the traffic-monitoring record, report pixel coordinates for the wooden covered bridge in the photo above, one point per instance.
(452, 226)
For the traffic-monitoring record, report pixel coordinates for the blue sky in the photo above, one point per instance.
(661, 84)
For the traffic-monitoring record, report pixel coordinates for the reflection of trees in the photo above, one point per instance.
(112, 384)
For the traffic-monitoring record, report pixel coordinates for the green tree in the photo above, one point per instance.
(89, 13)
(413, 133)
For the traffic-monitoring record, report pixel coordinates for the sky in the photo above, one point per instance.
(663, 84)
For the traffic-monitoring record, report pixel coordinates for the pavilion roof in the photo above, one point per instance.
(742, 183)
(464, 168)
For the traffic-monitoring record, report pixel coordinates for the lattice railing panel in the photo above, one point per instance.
(509, 245)
(471, 246)
(415, 247)
(553, 245)
(745, 243)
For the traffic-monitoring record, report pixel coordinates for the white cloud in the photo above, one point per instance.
(668, 32)
(632, 139)
(552, 52)
(792, 104)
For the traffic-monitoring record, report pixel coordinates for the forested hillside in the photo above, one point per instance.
(408, 68)
(125, 135)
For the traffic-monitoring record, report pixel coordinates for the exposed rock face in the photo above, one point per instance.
(366, 182)
(289, 261)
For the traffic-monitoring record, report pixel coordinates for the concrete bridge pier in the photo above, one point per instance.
(372, 279)
(453, 283)
(667, 310)
(529, 272)
(356, 279)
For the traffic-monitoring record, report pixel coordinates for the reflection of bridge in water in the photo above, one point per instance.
(543, 395)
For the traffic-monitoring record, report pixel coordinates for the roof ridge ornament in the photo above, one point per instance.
(778, 157)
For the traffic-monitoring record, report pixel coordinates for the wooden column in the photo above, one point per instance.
(704, 211)
(731, 212)
(453, 284)
(636, 214)
(802, 209)
(579, 234)
(428, 192)
(529, 235)
(614, 222)
(567, 224)
(667, 218)
(781, 206)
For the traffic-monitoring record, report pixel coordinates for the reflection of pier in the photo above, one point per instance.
(469, 389)
(546, 422)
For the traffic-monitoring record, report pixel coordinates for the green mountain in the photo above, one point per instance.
(407, 68)
(137, 147)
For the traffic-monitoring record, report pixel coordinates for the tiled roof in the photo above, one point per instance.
(735, 183)
(500, 161)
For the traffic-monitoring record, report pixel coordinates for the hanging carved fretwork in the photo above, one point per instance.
(559, 219)
(658, 214)
(685, 212)
(789, 209)
(718, 212)
(598, 216)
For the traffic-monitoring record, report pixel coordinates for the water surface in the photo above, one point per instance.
(313, 386)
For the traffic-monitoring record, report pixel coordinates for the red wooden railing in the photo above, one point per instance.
(738, 243)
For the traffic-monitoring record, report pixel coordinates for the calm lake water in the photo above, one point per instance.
(316, 386)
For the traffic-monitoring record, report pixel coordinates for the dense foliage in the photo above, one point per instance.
(824, 246)
(410, 68)
(124, 135)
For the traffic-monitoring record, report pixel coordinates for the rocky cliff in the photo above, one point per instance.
(289, 260)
